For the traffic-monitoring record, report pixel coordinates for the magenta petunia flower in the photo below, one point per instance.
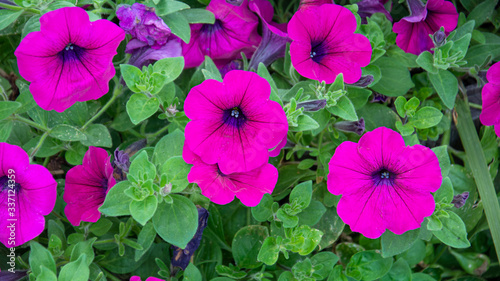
(87, 185)
(384, 183)
(305, 4)
(142, 23)
(138, 278)
(234, 31)
(221, 188)
(490, 114)
(69, 59)
(324, 44)
(27, 194)
(413, 31)
(234, 123)
(276, 151)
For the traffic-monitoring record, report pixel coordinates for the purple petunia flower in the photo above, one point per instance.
(234, 123)
(324, 44)
(87, 185)
(414, 30)
(367, 8)
(273, 44)
(234, 31)
(490, 114)
(142, 23)
(221, 188)
(233, 65)
(138, 278)
(384, 183)
(27, 194)
(69, 59)
(143, 54)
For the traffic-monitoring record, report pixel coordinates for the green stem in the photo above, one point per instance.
(116, 92)
(17, 8)
(474, 105)
(480, 171)
(39, 144)
(104, 241)
(157, 133)
(31, 123)
(110, 275)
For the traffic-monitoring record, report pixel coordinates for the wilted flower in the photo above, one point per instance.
(305, 4)
(378, 98)
(86, 186)
(357, 127)
(490, 114)
(233, 65)
(367, 8)
(220, 188)
(414, 30)
(142, 23)
(312, 105)
(138, 278)
(69, 59)
(143, 54)
(234, 123)
(234, 31)
(364, 81)
(32, 192)
(459, 199)
(384, 183)
(324, 44)
(181, 257)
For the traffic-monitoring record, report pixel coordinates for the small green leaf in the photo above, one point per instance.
(400, 271)
(445, 192)
(171, 68)
(8, 16)
(176, 170)
(141, 168)
(97, 135)
(75, 271)
(426, 61)
(132, 76)
(46, 274)
(453, 232)
(444, 159)
(263, 211)
(145, 239)
(179, 26)
(140, 107)
(246, 245)
(192, 273)
(116, 202)
(426, 117)
(400, 106)
(67, 133)
(393, 244)
(305, 123)
(39, 256)
(368, 266)
(269, 252)
(84, 248)
(312, 214)
(198, 16)
(344, 109)
(169, 146)
(164, 7)
(446, 85)
(301, 194)
(144, 210)
(395, 81)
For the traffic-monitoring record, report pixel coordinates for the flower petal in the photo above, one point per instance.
(213, 186)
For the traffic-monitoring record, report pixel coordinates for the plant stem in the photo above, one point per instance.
(476, 106)
(17, 8)
(116, 92)
(31, 123)
(39, 144)
(104, 241)
(157, 133)
(477, 161)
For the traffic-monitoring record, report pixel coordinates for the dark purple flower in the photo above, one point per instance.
(12, 276)
(357, 127)
(181, 257)
(439, 38)
(143, 54)
(414, 30)
(235, 2)
(233, 65)
(121, 162)
(273, 44)
(142, 23)
(459, 199)
(367, 8)
(364, 81)
(312, 105)
(379, 98)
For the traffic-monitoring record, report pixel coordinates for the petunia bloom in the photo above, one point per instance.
(234, 31)
(490, 114)
(234, 123)
(142, 23)
(384, 183)
(27, 194)
(324, 44)
(69, 59)
(87, 185)
(138, 278)
(413, 31)
(221, 188)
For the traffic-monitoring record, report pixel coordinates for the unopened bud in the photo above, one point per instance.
(439, 38)
(312, 105)
(364, 81)
(357, 127)
(459, 199)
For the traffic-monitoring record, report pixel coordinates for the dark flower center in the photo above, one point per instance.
(211, 28)
(318, 51)
(104, 183)
(71, 52)
(219, 172)
(4, 184)
(383, 177)
(234, 117)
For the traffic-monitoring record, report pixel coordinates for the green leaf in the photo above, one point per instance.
(39, 256)
(67, 133)
(46, 274)
(263, 211)
(101, 227)
(301, 195)
(176, 170)
(269, 252)
(8, 107)
(289, 221)
(75, 270)
(141, 168)
(476, 54)
(192, 273)
(393, 244)
(331, 225)
(143, 210)
(304, 240)
(406, 129)
(344, 109)
(8, 16)
(145, 239)
(421, 277)
(378, 115)
(415, 254)
(176, 223)
(164, 7)
(97, 135)
(198, 16)
(140, 107)
(426, 117)
(444, 159)
(179, 26)
(171, 68)
(368, 265)
(5, 129)
(426, 61)
(312, 214)
(169, 146)
(305, 123)
(346, 250)
(84, 248)
(400, 103)
(446, 85)
(453, 232)
(395, 81)
(116, 202)
(445, 192)
(472, 263)
(482, 12)
(246, 245)
(33, 24)
(337, 274)
(132, 76)
(400, 271)
(323, 263)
